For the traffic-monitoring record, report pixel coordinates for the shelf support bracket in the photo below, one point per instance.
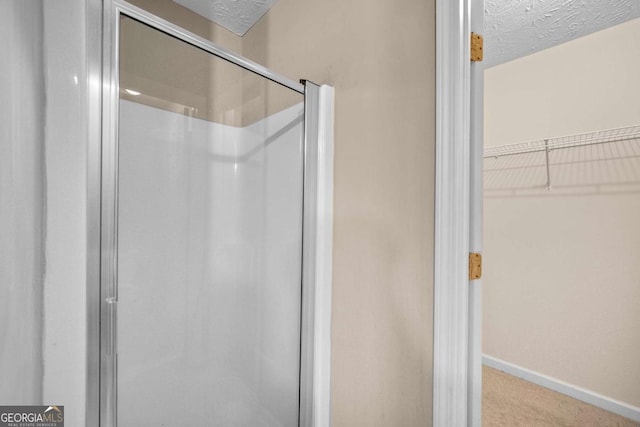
(546, 155)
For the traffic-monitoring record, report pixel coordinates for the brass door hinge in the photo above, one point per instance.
(475, 266)
(476, 47)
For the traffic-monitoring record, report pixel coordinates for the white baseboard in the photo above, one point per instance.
(590, 397)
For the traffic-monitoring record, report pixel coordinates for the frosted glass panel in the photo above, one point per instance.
(209, 240)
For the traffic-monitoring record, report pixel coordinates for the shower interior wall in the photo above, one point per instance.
(210, 211)
(209, 267)
(22, 202)
(43, 223)
(43, 219)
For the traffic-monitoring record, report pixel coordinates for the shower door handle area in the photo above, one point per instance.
(207, 302)
(112, 313)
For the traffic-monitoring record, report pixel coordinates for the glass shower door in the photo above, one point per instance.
(209, 206)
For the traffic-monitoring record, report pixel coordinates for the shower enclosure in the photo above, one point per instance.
(215, 259)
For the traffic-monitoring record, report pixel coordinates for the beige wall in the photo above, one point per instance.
(583, 85)
(561, 276)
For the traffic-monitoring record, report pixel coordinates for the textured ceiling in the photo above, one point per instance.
(234, 15)
(515, 28)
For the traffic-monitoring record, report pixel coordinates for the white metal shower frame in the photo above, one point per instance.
(102, 209)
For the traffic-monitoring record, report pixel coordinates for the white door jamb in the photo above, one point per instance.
(455, 368)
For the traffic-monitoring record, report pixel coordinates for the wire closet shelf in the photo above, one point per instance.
(602, 157)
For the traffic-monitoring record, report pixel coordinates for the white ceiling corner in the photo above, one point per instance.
(237, 16)
(515, 28)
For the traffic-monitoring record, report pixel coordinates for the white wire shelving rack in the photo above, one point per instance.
(602, 157)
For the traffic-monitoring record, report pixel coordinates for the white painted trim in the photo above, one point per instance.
(451, 283)
(584, 395)
(324, 247)
(475, 227)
